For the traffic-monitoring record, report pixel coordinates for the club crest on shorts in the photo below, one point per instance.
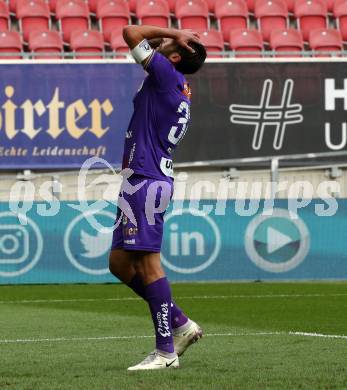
(187, 91)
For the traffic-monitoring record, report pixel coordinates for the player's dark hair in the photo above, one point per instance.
(191, 62)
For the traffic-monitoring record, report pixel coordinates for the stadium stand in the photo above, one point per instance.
(92, 5)
(290, 6)
(284, 24)
(327, 40)
(87, 42)
(213, 41)
(32, 15)
(231, 15)
(330, 5)
(132, 6)
(310, 14)
(72, 15)
(52, 6)
(112, 15)
(250, 6)
(271, 15)
(48, 42)
(10, 42)
(117, 43)
(192, 14)
(12, 6)
(172, 6)
(153, 12)
(4, 17)
(211, 5)
(245, 41)
(286, 43)
(340, 13)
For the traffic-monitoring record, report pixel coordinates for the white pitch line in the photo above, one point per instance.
(326, 336)
(103, 338)
(176, 297)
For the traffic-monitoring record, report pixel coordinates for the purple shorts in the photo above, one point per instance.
(142, 203)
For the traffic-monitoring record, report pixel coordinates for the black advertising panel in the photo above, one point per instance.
(255, 109)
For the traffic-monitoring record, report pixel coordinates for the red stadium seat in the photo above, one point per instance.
(211, 5)
(52, 5)
(112, 15)
(328, 40)
(172, 5)
(47, 42)
(231, 14)
(92, 5)
(271, 15)
(246, 41)
(87, 42)
(250, 5)
(213, 42)
(132, 6)
(33, 15)
(12, 5)
(340, 13)
(311, 14)
(192, 14)
(287, 41)
(330, 5)
(4, 17)
(153, 12)
(10, 42)
(118, 44)
(290, 6)
(73, 15)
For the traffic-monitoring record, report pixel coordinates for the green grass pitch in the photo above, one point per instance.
(85, 336)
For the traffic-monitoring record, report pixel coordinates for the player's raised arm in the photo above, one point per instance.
(142, 39)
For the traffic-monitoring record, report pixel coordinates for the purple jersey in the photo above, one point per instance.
(159, 122)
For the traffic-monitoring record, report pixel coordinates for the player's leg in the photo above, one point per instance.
(123, 266)
(121, 262)
(158, 295)
(144, 241)
(185, 331)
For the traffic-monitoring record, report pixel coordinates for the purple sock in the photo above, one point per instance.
(137, 286)
(178, 318)
(158, 296)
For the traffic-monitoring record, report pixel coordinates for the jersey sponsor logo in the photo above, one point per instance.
(166, 166)
(131, 231)
(130, 242)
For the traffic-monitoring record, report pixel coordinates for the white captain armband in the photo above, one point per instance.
(142, 51)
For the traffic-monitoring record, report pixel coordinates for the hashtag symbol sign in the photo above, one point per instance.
(264, 114)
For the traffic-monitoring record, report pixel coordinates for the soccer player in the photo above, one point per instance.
(159, 121)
